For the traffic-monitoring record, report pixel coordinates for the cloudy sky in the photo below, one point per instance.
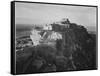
(32, 13)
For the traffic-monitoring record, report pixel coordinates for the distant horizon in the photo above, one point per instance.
(41, 14)
(89, 28)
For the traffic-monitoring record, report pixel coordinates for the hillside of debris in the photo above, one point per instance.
(75, 51)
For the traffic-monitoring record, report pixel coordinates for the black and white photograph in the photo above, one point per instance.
(51, 37)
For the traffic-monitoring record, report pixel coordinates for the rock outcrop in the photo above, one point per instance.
(75, 51)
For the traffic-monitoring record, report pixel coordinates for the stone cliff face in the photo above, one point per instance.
(77, 45)
(75, 51)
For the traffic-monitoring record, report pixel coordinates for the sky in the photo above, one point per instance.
(33, 13)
